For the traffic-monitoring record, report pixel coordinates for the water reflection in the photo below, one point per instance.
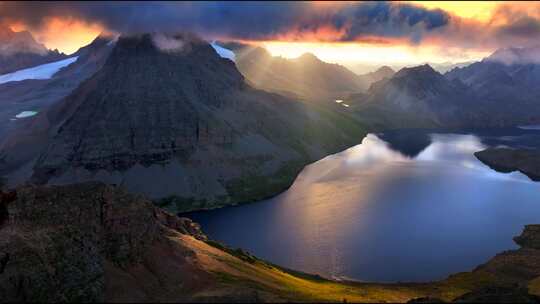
(378, 213)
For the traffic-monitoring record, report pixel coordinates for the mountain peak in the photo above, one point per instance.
(385, 70)
(308, 57)
(424, 70)
(5, 32)
(12, 42)
(515, 55)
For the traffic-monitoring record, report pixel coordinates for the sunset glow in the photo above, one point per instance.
(65, 34)
(350, 53)
(326, 29)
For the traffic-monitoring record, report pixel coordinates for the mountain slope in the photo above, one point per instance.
(377, 75)
(418, 97)
(38, 94)
(507, 82)
(306, 76)
(180, 124)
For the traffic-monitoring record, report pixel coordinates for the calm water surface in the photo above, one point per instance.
(398, 207)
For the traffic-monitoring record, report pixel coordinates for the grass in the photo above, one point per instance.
(253, 187)
(306, 288)
(534, 287)
(295, 286)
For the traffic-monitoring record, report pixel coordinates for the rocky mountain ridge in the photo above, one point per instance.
(177, 124)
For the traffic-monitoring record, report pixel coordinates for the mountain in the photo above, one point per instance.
(172, 119)
(307, 76)
(379, 74)
(448, 66)
(507, 82)
(500, 90)
(97, 243)
(417, 97)
(516, 55)
(19, 50)
(38, 94)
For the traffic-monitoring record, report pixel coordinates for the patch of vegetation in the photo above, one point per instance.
(253, 187)
(534, 287)
(297, 286)
(238, 252)
(179, 204)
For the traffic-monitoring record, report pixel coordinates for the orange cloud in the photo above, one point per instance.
(323, 32)
(65, 34)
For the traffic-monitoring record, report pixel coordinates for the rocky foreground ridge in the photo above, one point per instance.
(95, 242)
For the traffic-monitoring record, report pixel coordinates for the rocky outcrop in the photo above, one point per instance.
(530, 238)
(507, 160)
(60, 243)
(517, 267)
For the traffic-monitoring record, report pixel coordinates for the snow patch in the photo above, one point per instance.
(223, 52)
(25, 114)
(44, 71)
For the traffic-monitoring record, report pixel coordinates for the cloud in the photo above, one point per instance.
(392, 20)
(240, 20)
(167, 43)
(363, 22)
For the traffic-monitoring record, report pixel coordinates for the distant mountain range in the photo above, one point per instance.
(500, 90)
(19, 50)
(306, 77)
(180, 125)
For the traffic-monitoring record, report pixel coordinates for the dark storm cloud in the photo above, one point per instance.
(523, 27)
(391, 20)
(240, 20)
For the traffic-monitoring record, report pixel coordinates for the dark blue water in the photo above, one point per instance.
(416, 207)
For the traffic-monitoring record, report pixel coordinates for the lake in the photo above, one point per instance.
(411, 205)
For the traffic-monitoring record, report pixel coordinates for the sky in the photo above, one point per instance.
(363, 33)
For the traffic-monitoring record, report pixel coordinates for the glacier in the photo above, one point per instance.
(44, 71)
(223, 52)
